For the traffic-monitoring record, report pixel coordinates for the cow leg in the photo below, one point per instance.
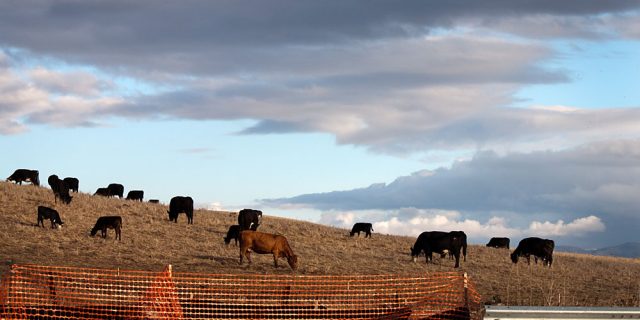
(275, 259)
(457, 256)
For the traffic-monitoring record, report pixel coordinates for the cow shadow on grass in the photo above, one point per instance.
(221, 260)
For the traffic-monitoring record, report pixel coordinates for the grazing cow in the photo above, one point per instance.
(498, 243)
(21, 175)
(135, 195)
(463, 239)
(539, 248)
(60, 189)
(438, 242)
(102, 192)
(116, 189)
(181, 204)
(249, 219)
(232, 233)
(72, 183)
(51, 214)
(108, 222)
(362, 227)
(265, 243)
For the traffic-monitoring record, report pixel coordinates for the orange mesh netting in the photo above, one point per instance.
(30, 291)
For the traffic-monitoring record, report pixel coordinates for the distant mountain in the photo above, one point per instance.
(626, 250)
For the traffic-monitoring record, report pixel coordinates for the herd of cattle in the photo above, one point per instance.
(245, 232)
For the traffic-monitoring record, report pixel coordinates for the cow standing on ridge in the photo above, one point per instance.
(539, 248)
(498, 243)
(135, 195)
(180, 204)
(437, 242)
(362, 227)
(72, 183)
(21, 175)
(116, 189)
(60, 189)
(102, 192)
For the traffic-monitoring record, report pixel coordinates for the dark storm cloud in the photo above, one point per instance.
(191, 36)
(575, 180)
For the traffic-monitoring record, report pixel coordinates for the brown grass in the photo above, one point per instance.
(150, 241)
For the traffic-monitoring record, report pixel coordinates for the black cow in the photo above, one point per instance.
(108, 222)
(539, 248)
(21, 175)
(249, 219)
(232, 233)
(438, 242)
(362, 227)
(60, 189)
(180, 204)
(116, 189)
(72, 183)
(154, 201)
(499, 243)
(102, 192)
(51, 214)
(135, 195)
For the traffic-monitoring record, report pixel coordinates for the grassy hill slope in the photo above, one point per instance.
(150, 241)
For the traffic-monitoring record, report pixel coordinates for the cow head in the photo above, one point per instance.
(226, 240)
(293, 261)
(514, 257)
(415, 253)
(351, 234)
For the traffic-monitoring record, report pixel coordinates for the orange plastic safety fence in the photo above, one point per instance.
(30, 291)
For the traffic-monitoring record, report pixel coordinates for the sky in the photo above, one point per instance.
(500, 118)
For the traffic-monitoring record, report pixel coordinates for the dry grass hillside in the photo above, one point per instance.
(150, 241)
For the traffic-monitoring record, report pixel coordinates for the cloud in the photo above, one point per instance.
(69, 83)
(579, 226)
(597, 180)
(395, 80)
(43, 96)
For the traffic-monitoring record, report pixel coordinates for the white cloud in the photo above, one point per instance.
(68, 83)
(578, 227)
(31, 98)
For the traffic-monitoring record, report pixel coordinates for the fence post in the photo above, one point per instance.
(466, 291)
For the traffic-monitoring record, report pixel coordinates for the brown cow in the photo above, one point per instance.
(264, 243)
